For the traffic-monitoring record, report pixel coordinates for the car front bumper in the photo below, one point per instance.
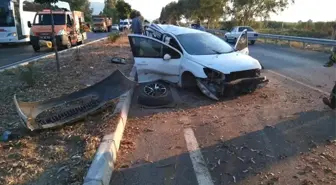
(233, 87)
(61, 40)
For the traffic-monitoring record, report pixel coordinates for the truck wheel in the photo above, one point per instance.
(36, 48)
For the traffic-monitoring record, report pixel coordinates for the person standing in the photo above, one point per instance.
(137, 23)
(332, 58)
(198, 25)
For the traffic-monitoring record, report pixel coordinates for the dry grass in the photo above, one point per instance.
(63, 155)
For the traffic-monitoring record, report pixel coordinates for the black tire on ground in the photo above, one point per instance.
(252, 42)
(150, 100)
(36, 48)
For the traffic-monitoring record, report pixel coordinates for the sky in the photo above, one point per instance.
(316, 10)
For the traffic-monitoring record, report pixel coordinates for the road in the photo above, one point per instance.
(269, 137)
(15, 53)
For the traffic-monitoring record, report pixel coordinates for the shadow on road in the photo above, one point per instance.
(242, 157)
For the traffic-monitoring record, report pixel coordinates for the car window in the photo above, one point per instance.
(173, 43)
(148, 48)
(233, 29)
(203, 44)
(245, 27)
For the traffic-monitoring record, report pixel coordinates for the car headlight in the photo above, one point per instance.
(61, 32)
(213, 74)
(13, 34)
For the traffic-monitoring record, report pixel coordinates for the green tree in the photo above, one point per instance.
(83, 6)
(123, 9)
(49, 3)
(110, 9)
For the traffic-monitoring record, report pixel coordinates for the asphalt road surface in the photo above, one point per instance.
(15, 53)
(269, 137)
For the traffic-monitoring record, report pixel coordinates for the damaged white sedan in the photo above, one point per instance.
(189, 57)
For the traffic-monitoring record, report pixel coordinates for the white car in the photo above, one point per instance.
(192, 58)
(235, 32)
(115, 27)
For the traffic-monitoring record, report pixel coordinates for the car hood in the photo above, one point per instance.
(227, 63)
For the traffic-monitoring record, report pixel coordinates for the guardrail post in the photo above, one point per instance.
(289, 43)
(303, 45)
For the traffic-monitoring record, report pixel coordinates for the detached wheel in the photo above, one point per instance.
(252, 42)
(154, 94)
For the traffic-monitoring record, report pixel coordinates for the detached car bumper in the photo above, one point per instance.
(245, 82)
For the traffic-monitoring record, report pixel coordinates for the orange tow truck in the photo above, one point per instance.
(67, 26)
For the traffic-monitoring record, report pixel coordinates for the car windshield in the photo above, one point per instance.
(245, 27)
(204, 44)
(6, 15)
(45, 19)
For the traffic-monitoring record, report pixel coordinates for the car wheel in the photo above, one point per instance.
(226, 39)
(154, 94)
(36, 48)
(68, 44)
(252, 42)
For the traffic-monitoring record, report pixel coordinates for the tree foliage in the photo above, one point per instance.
(241, 11)
(123, 9)
(110, 9)
(83, 6)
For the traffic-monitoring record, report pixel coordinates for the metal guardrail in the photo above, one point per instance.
(304, 40)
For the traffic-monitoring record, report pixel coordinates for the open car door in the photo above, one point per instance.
(154, 59)
(242, 43)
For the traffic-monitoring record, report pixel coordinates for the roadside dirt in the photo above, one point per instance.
(63, 155)
(282, 121)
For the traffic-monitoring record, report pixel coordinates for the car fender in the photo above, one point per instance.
(195, 68)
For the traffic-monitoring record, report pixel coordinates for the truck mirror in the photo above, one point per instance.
(29, 24)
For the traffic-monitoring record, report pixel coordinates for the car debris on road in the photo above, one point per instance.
(72, 107)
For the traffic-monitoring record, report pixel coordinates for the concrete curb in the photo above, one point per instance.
(100, 171)
(34, 59)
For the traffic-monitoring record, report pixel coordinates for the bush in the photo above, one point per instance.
(26, 74)
(113, 37)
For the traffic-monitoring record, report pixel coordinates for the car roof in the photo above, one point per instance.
(172, 29)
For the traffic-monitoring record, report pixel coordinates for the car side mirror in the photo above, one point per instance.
(29, 24)
(166, 57)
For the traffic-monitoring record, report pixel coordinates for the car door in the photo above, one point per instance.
(242, 43)
(154, 59)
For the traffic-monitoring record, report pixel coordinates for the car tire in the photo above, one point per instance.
(252, 42)
(36, 48)
(68, 44)
(226, 39)
(146, 98)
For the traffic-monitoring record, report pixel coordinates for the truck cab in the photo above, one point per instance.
(101, 23)
(67, 27)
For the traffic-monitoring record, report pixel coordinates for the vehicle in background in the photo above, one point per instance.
(14, 15)
(101, 23)
(67, 28)
(233, 35)
(125, 24)
(115, 27)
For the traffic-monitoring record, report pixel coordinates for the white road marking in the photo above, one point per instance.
(202, 173)
(301, 83)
